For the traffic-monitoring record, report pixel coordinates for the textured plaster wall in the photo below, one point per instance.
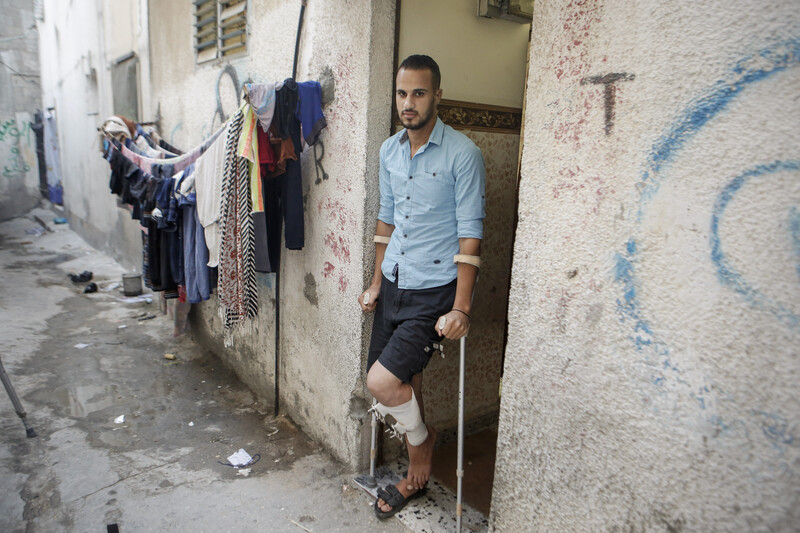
(75, 57)
(652, 366)
(321, 326)
(20, 98)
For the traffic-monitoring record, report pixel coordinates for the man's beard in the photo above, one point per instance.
(423, 121)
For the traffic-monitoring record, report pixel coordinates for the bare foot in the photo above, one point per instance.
(419, 461)
(402, 486)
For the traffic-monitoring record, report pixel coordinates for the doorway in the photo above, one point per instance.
(483, 63)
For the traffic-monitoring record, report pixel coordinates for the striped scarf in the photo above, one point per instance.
(237, 288)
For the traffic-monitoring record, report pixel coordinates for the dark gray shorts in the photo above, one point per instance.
(403, 332)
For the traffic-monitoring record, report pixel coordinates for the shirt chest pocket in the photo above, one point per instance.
(435, 190)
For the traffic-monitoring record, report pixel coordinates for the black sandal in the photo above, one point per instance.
(391, 496)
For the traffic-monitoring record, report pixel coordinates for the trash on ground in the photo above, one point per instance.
(123, 326)
(120, 419)
(59, 220)
(92, 287)
(37, 232)
(274, 432)
(169, 356)
(191, 424)
(110, 287)
(82, 345)
(302, 527)
(83, 277)
(240, 458)
(136, 299)
(148, 317)
(244, 472)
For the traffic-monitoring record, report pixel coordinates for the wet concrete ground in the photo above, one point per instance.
(158, 470)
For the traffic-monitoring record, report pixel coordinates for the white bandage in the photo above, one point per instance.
(409, 420)
(474, 260)
(380, 239)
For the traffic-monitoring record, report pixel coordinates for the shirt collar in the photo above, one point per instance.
(435, 137)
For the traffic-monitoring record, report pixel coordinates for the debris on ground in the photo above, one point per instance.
(36, 232)
(136, 299)
(120, 419)
(59, 220)
(92, 287)
(82, 345)
(148, 317)
(169, 356)
(83, 277)
(110, 287)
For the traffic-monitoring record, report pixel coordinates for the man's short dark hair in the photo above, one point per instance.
(423, 62)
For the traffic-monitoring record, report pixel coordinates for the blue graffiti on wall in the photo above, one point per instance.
(656, 354)
(727, 274)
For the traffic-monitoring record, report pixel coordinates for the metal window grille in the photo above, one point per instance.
(220, 28)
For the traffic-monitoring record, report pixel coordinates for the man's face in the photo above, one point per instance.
(415, 98)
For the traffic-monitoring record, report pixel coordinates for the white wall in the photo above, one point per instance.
(481, 59)
(322, 328)
(78, 41)
(652, 365)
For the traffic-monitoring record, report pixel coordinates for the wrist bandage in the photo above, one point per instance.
(474, 260)
(380, 239)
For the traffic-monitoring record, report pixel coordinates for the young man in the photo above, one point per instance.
(427, 248)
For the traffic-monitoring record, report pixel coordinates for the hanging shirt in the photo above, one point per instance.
(309, 110)
(208, 172)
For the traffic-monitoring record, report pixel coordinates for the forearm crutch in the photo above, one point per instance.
(29, 431)
(460, 463)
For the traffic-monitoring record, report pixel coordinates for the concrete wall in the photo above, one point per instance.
(322, 329)
(20, 98)
(75, 55)
(652, 366)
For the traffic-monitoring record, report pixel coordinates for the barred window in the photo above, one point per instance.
(220, 28)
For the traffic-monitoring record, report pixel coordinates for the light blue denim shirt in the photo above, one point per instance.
(432, 199)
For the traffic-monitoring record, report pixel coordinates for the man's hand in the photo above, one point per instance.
(453, 325)
(369, 299)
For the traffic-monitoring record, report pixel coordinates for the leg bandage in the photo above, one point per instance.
(409, 420)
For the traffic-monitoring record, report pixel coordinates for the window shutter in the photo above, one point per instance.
(205, 29)
(233, 26)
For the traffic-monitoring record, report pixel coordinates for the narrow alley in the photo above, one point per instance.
(79, 362)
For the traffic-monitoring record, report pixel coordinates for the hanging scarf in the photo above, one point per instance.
(237, 288)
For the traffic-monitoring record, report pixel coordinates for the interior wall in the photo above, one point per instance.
(652, 365)
(481, 59)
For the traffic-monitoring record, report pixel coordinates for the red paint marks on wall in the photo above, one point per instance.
(338, 245)
(336, 214)
(327, 269)
(572, 64)
(343, 283)
(579, 189)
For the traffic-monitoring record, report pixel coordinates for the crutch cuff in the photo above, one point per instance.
(474, 260)
(380, 239)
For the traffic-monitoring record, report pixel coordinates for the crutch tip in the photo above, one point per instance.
(371, 482)
(30, 433)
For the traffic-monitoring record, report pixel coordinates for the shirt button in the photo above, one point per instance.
(406, 216)
(402, 253)
(411, 177)
(408, 198)
(405, 235)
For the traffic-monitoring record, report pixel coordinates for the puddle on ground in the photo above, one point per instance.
(86, 399)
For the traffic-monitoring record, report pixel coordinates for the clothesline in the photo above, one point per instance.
(219, 208)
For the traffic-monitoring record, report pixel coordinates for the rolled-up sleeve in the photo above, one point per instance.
(386, 212)
(470, 189)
